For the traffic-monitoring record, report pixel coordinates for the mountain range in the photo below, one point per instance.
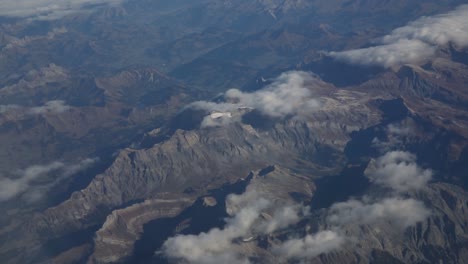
(147, 131)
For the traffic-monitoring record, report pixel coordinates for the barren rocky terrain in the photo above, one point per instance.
(152, 131)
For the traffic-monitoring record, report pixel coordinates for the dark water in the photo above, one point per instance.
(351, 182)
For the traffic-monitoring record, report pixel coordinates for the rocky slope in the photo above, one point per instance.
(208, 157)
(106, 158)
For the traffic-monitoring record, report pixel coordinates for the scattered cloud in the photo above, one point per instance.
(10, 187)
(218, 119)
(283, 217)
(414, 42)
(247, 219)
(396, 136)
(398, 170)
(405, 129)
(47, 9)
(310, 246)
(55, 106)
(401, 52)
(253, 215)
(400, 212)
(288, 95)
(22, 42)
(215, 245)
(22, 182)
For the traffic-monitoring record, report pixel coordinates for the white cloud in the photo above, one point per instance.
(397, 211)
(11, 187)
(253, 215)
(217, 246)
(47, 9)
(23, 180)
(22, 42)
(438, 30)
(82, 165)
(56, 106)
(310, 246)
(288, 95)
(283, 217)
(398, 53)
(218, 119)
(398, 170)
(414, 42)
(404, 129)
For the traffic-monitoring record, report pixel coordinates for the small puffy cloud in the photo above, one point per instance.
(414, 42)
(47, 9)
(396, 136)
(288, 95)
(23, 180)
(56, 106)
(401, 129)
(400, 212)
(217, 245)
(217, 119)
(310, 246)
(283, 217)
(398, 170)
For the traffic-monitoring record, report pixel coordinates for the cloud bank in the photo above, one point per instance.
(23, 180)
(415, 42)
(47, 9)
(288, 95)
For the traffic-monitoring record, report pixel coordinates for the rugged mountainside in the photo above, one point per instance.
(123, 142)
(343, 133)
